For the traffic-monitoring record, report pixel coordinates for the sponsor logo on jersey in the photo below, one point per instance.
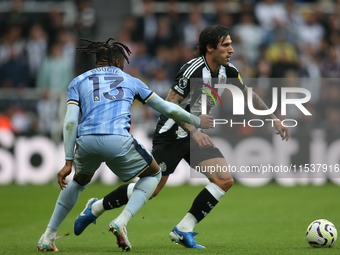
(178, 89)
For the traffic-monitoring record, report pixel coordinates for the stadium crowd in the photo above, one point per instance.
(276, 44)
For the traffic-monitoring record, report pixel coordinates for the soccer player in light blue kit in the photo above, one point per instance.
(104, 96)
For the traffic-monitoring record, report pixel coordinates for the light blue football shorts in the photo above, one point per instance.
(124, 155)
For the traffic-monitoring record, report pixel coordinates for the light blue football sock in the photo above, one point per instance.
(142, 191)
(68, 197)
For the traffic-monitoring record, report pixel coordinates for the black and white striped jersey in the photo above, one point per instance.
(189, 82)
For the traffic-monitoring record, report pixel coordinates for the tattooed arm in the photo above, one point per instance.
(257, 102)
(260, 105)
(177, 99)
(202, 139)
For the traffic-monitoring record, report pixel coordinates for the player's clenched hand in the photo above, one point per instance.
(65, 171)
(207, 121)
(202, 139)
(282, 130)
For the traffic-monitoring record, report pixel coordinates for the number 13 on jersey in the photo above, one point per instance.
(113, 81)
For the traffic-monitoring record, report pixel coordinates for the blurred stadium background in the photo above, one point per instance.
(274, 42)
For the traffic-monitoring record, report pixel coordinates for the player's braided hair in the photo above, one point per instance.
(106, 51)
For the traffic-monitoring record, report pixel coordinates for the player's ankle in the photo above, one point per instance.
(98, 208)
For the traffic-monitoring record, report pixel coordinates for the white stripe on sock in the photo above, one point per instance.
(130, 188)
(215, 191)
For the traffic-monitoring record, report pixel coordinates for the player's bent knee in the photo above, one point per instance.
(155, 193)
(82, 179)
(160, 186)
(224, 183)
(158, 176)
(228, 183)
(151, 170)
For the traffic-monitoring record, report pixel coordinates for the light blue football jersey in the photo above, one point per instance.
(105, 95)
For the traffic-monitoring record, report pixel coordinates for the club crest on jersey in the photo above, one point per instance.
(211, 101)
(183, 82)
(222, 80)
(162, 166)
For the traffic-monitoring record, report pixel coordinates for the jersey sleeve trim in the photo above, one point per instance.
(149, 97)
(73, 102)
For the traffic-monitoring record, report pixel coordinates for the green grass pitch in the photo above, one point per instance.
(266, 220)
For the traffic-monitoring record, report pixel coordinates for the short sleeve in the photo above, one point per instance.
(143, 93)
(181, 83)
(73, 94)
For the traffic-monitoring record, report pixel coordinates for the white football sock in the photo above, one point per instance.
(215, 190)
(130, 189)
(124, 217)
(187, 224)
(50, 233)
(98, 208)
(189, 221)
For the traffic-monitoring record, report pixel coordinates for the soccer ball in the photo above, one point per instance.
(321, 233)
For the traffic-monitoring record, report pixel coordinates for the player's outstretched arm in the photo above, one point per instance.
(202, 139)
(258, 104)
(175, 112)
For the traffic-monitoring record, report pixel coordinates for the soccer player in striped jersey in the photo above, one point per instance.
(174, 141)
(104, 96)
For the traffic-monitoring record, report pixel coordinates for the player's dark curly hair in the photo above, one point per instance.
(211, 35)
(106, 51)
